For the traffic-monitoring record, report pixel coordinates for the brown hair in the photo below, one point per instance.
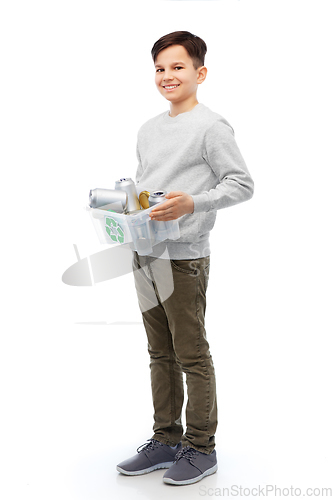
(194, 45)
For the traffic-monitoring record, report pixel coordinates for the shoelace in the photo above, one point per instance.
(151, 445)
(188, 453)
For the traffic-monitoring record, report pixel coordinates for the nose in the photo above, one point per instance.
(167, 76)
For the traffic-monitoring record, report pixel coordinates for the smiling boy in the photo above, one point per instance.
(191, 153)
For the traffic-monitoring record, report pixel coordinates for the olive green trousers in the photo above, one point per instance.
(177, 344)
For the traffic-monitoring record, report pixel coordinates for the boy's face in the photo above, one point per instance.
(176, 78)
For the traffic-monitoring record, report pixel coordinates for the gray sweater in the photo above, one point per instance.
(194, 152)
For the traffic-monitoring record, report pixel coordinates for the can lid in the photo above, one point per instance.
(143, 198)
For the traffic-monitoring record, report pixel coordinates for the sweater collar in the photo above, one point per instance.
(183, 116)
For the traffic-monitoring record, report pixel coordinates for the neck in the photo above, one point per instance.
(182, 107)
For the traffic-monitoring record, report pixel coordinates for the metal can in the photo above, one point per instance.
(144, 199)
(100, 197)
(128, 186)
(157, 197)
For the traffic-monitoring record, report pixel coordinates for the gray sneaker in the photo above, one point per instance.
(151, 456)
(190, 466)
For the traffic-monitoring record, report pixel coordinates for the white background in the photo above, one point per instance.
(77, 82)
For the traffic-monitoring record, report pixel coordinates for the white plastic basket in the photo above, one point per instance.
(137, 229)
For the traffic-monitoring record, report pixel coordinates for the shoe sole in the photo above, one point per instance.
(208, 472)
(165, 465)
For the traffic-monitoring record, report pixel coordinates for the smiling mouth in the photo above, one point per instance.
(171, 87)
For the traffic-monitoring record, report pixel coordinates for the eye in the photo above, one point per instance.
(178, 67)
(159, 69)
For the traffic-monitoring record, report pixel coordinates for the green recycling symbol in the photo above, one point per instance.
(114, 230)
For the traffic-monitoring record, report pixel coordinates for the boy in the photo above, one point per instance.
(191, 153)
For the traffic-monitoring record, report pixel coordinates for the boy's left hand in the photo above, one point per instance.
(177, 204)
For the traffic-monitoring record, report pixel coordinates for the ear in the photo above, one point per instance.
(201, 74)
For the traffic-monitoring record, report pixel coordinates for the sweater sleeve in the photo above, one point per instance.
(222, 154)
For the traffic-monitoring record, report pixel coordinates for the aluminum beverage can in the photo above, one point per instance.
(100, 197)
(127, 185)
(157, 197)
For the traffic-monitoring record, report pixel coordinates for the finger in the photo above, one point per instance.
(165, 218)
(163, 206)
(162, 214)
(162, 210)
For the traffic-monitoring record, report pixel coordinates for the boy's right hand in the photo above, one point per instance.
(178, 203)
